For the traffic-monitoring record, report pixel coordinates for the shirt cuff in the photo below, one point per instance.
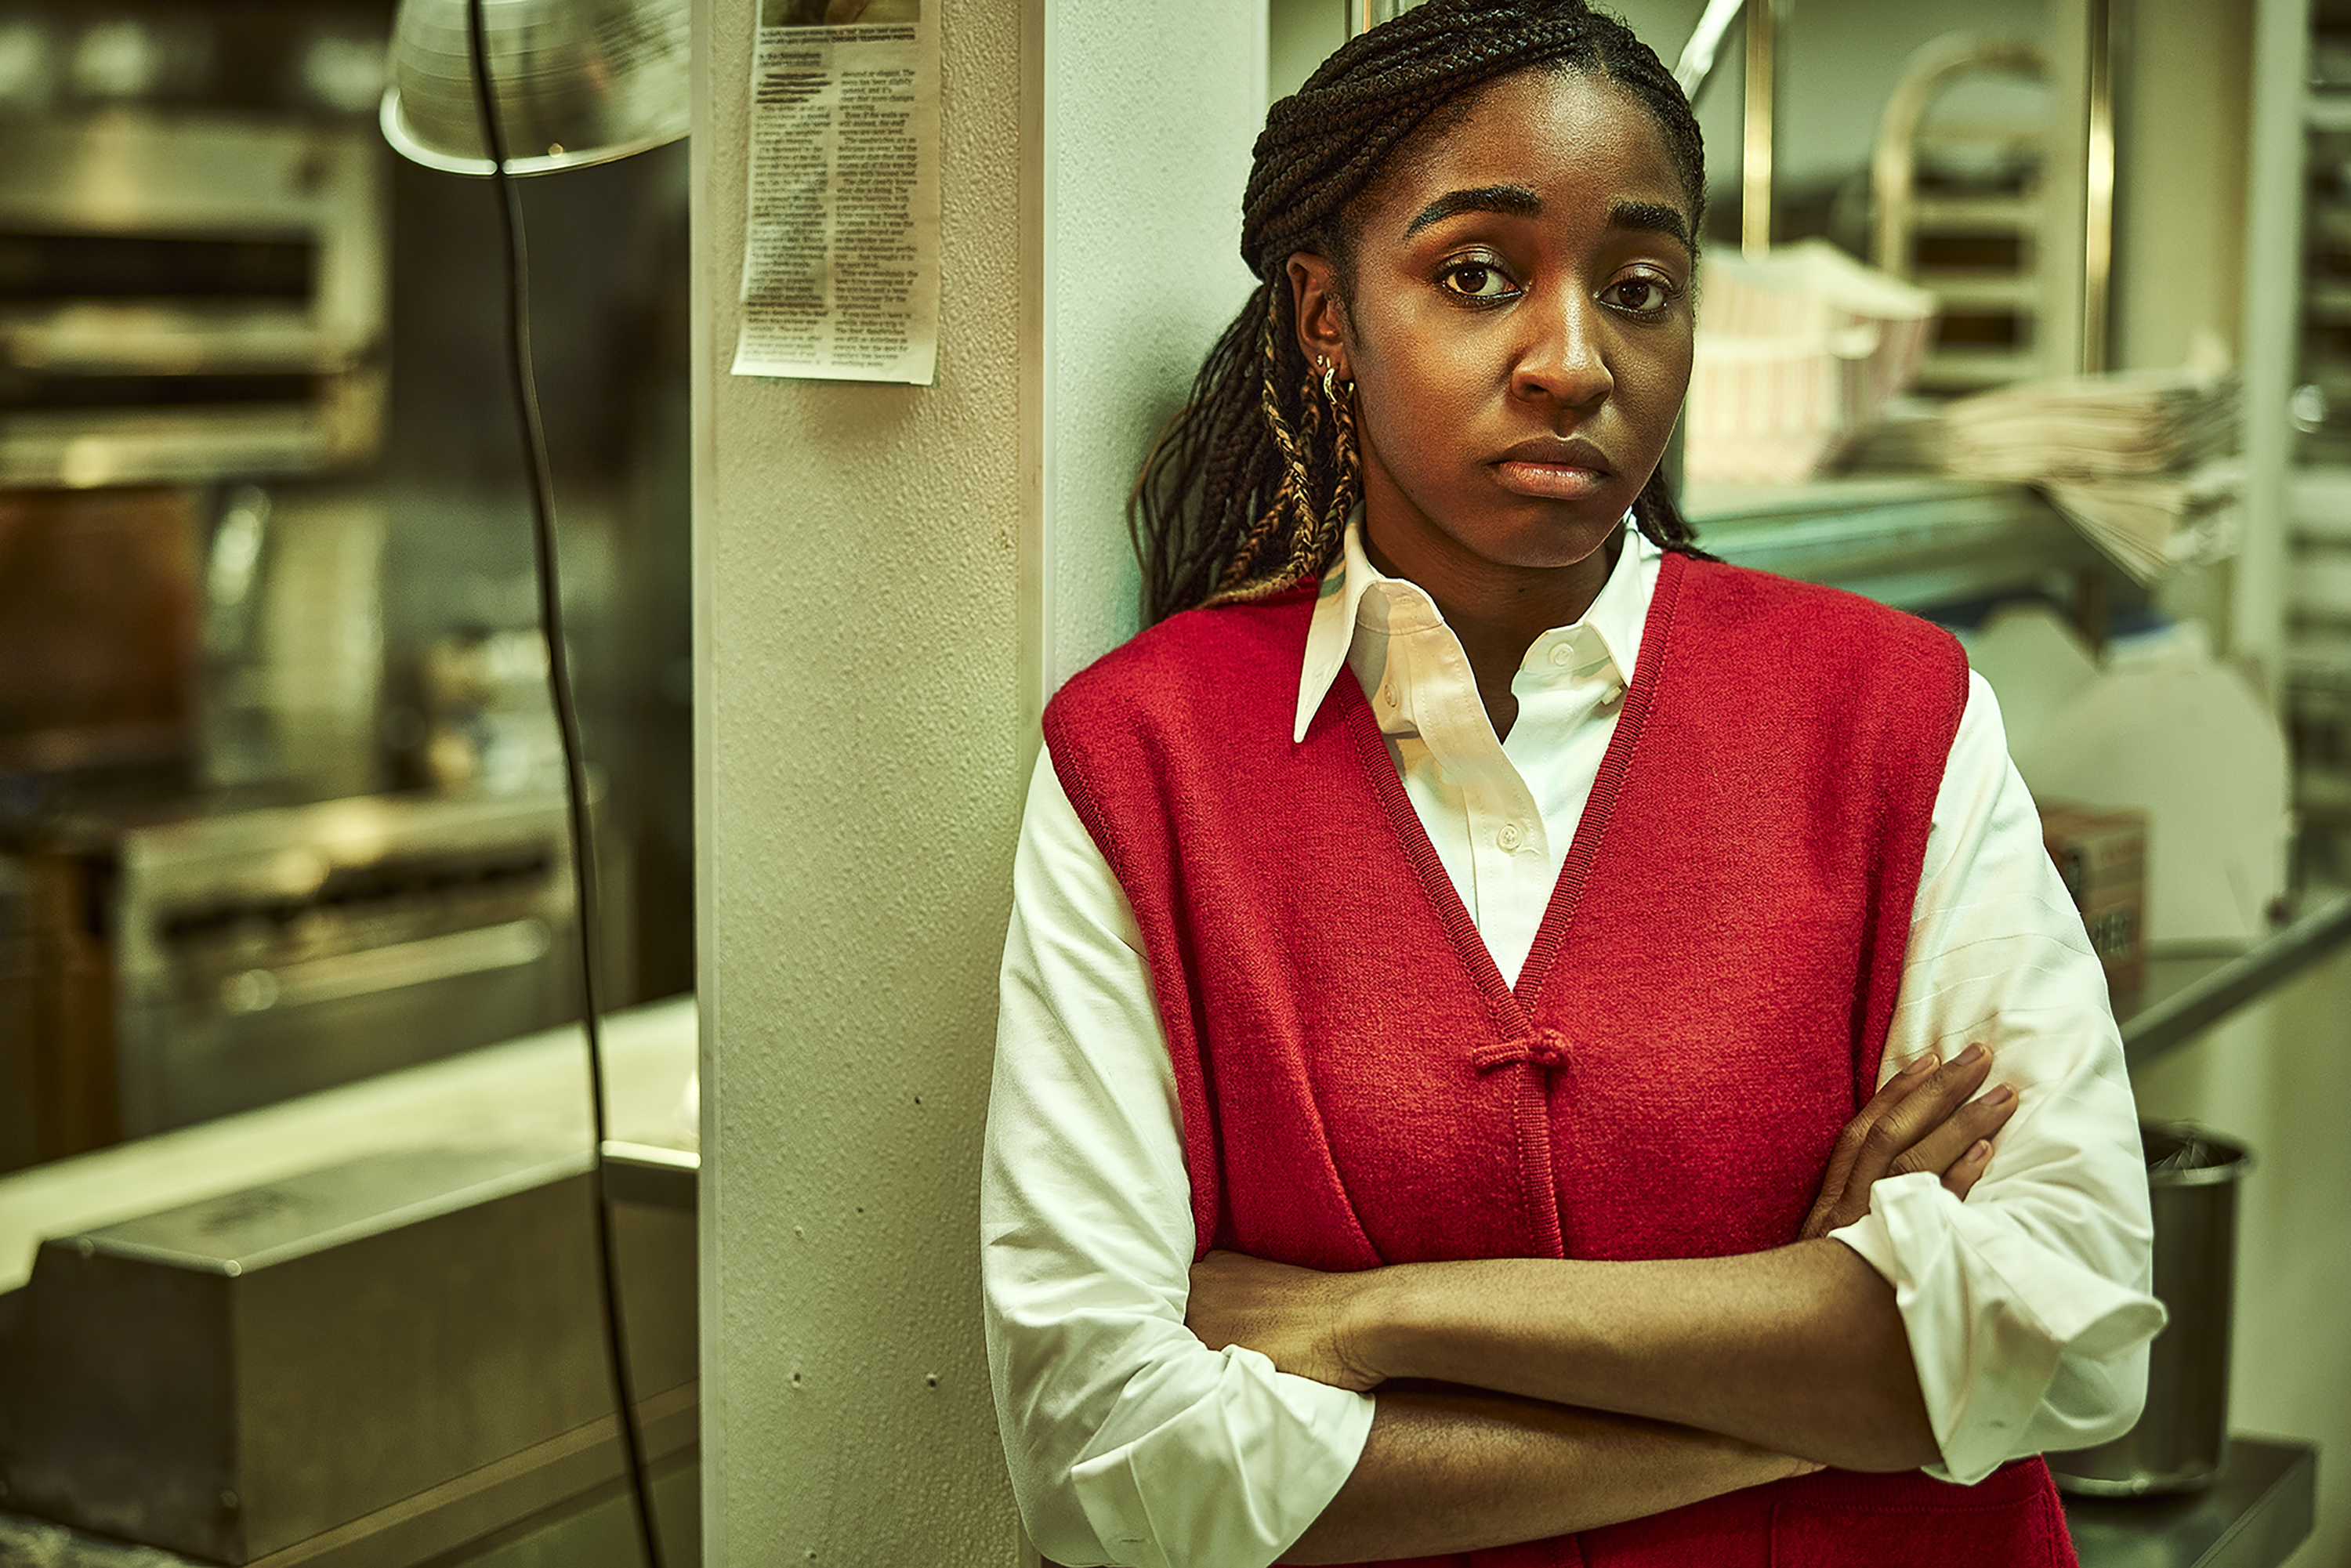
(1251, 1511)
(1991, 1314)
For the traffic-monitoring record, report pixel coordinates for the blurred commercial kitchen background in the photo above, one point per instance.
(279, 807)
(279, 794)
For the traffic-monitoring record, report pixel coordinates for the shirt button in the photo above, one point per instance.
(1612, 694)
(1507, 836)
(1387, 693)
(1562, 654)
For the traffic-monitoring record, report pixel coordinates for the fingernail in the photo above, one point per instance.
(1999, 1094)
(1981, 1152)
(1971, 1055)
(1922, 1062)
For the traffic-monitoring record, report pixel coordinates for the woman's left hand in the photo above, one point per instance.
(1919, 1120)
(1297, 1318)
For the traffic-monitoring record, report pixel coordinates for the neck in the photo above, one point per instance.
(1498, 610)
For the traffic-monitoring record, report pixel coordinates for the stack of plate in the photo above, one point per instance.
(2136, 459)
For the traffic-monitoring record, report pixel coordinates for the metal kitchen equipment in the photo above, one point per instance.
(2181, 1440)
(579, 82)
(161, 971)
(101, 659)
(364, 1359)
(1965, 211)
(188, 296)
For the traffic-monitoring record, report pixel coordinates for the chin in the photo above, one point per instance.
(1563, 540)
(1556, 548)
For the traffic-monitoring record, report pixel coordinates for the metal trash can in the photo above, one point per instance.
(2181, 1441)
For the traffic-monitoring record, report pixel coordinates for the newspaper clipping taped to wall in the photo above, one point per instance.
(841, 252)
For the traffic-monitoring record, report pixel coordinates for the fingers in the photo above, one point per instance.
(1961, 1178)
(1921, 1119)
(1921, 1110)
(1828, 1209)
(1941, 1151)
(1889, 1094)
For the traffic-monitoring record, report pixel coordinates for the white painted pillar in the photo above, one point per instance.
(1149, 115)
(888, 581)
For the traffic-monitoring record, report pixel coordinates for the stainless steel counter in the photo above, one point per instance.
(530, 1091)
(2254, 1516)
(304, 1161)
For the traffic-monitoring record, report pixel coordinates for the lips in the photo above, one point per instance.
(1554, 468)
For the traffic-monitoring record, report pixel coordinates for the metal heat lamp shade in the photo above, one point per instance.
(578, 81)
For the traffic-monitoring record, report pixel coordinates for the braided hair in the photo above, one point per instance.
(1247, 490)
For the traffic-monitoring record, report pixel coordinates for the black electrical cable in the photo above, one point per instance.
(575, 764)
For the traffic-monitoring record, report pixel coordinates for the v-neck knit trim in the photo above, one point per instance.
(1513, 1006)
(1656, 639)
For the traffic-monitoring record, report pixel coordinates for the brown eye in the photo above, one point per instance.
(1641, 296)
(1478, 280)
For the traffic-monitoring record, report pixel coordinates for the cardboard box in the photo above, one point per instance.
(2101, 855)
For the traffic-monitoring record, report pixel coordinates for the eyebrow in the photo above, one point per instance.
(1653, 217)
(1513, 199)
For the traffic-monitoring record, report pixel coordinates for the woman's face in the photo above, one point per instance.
(1518, 328)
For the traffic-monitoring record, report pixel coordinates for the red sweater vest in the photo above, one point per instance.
(1704, 1008)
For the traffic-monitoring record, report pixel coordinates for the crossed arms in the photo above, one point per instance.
(1131, 1439)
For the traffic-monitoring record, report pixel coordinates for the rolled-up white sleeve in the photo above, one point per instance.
(2027, 1305)
(1129, 1441)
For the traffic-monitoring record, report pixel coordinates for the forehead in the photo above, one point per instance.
(1575, 139)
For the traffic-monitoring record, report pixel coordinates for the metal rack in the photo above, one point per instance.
(2317, 695)
(1908, 540)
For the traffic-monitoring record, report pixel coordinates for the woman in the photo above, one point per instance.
(1496, 1000)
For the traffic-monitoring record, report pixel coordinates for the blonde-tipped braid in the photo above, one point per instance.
(1347, 485)
(1240, 580)
(1311, 531)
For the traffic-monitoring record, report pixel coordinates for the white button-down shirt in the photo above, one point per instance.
(1131, 1442)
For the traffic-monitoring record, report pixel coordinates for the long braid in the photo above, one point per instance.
(1247, 489)
(1296, 484)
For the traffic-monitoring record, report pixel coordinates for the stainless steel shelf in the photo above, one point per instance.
(2260, 1509)
(1909, 541)
(2183, 996)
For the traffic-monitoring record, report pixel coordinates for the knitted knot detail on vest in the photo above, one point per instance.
(1546, 1048)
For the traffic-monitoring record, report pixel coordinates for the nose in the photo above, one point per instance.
(1563, 359)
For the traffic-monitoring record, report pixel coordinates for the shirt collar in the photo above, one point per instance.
(1616, 616)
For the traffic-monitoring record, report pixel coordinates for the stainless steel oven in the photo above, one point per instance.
(188, 296)
(166, 972)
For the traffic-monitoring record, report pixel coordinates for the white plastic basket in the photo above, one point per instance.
(1796, 354)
